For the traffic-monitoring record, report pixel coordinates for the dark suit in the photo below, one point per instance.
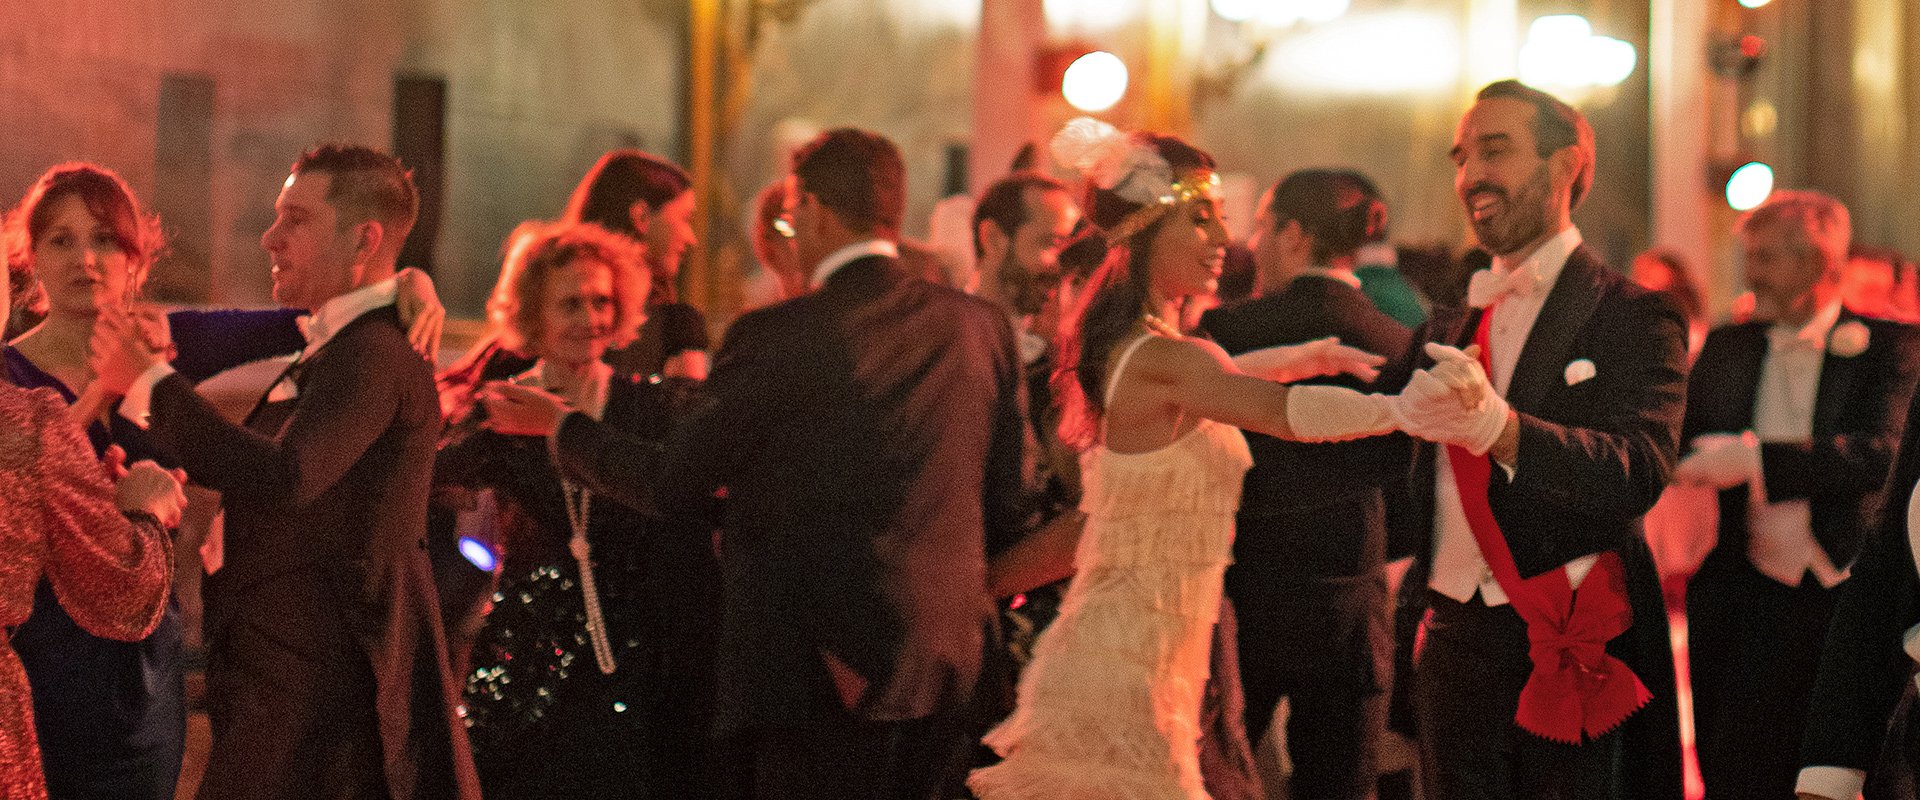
(327, 666)
(1593, 458)
(1308, 581)
(1863, 667)
(869, 438)
(1754, 643)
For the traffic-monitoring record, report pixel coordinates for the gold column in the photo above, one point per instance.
(1176, 30)
(1882, 207)
(1683, 142)
(703, 47)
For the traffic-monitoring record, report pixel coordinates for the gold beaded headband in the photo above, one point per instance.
(1195, 186)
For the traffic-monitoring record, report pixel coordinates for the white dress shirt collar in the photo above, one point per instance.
(338, 313)
(1546, 261)
(849, 254)
(1812, 335)
(591, 401)
(1345, 276)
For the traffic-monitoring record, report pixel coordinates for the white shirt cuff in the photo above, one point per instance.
(137, 406)
(1838, 783)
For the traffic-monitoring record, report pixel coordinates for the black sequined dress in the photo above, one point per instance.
(543, 719)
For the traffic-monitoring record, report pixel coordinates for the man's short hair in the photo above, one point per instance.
(1556, 125)
(859, 176)
(1005, 203)
(367, 185)
(1823, 222)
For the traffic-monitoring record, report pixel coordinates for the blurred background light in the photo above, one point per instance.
(1749, 186)
(1380, 53)
(1089, 15)
(1561, 52)
(477, 553)
(1095, 81)
(1280, 13)
(1239, 10)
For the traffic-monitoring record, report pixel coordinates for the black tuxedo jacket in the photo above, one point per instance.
(870, 441)
(326, 567)
(1594, 456)
(1338, 486)
(1859, 412)
(1312, 529)
(1863, 667)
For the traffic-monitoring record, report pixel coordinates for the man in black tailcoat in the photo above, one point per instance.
(1794, 417)
(869, 436)
(326, 660)
(1526, 524)
(1308, 580)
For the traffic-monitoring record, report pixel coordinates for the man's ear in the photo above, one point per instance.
(993, 241)
(638, 214)
(1565, 165)
(368, 236)
(1293, 236)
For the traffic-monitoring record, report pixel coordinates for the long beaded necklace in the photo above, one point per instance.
(579, 503)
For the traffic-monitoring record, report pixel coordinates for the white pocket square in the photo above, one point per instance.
(1579, 370)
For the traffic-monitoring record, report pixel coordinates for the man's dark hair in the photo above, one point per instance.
(1556, 125)
(1005, 203)
(1339, 209)
(367, 185)
(859, 176)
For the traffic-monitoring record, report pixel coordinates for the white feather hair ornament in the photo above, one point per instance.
(1112, 160)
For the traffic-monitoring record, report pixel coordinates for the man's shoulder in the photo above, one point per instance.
(1620, 298)
(379, 328)
(1899, 341)
(1892, 328)
(375, 340)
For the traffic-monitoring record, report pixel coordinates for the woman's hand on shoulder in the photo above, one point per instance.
(420, 311)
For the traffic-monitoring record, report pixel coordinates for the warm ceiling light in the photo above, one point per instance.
(1095, 81)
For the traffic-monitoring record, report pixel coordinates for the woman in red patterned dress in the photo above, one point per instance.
(103, 546)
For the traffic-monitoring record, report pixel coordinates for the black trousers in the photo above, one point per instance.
(845, 758)
(1336, 706)
(1754, 646)
(1466, 688)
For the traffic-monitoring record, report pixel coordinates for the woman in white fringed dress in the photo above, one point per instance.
(1109, 707)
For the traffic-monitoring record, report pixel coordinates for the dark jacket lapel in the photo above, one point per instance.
(1569, 305)
(1837, 376)
(1742, 378)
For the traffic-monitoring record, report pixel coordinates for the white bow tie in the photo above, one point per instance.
(1488, 286)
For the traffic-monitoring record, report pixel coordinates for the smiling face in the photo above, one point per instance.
(314, 258)
(1784, 269)
(1514, 198)
(1029, 272)
(577, 311)
(80, 261)
(1187, 251)
(1280, 251)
